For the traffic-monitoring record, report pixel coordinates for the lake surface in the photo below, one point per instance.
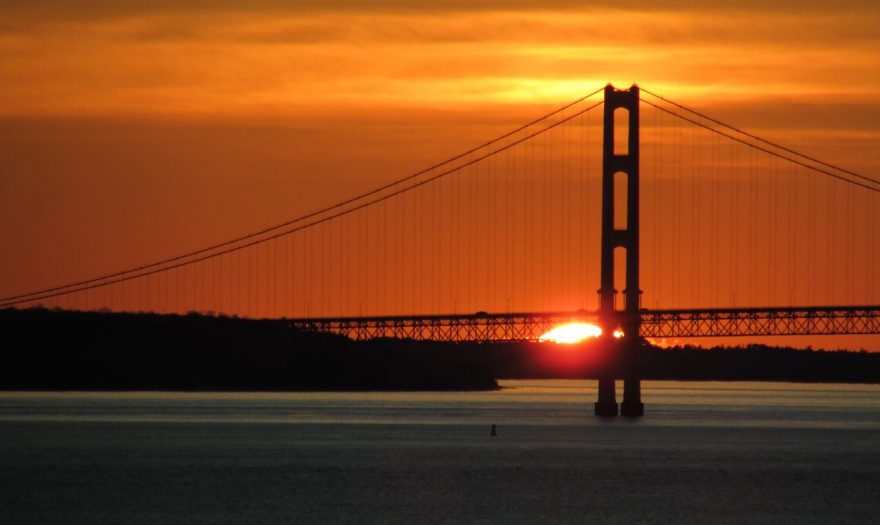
(705, 452)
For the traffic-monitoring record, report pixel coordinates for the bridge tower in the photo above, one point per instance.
(623, 233)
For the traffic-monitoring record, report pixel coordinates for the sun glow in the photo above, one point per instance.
(571, 333)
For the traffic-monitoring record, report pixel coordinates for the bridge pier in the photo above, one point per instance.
(632, 405)
(606, 405)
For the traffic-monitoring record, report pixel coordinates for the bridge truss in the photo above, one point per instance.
(530, 326)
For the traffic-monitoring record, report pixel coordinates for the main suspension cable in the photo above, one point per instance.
(127, 276)
(760, 139)
(765, 150)
(310, 215)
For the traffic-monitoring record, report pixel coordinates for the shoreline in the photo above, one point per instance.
(58, 350)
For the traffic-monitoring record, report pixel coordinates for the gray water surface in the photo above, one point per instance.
(704, 453)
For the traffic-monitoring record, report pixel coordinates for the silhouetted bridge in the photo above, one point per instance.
(776, 237)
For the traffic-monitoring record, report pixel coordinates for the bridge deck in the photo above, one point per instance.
(529, 326)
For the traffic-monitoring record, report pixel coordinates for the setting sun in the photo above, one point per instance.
(571, 333)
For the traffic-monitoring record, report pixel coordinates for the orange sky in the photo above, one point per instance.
(201, 58)
(140, 129)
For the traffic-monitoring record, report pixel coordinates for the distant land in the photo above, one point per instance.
(67, 350)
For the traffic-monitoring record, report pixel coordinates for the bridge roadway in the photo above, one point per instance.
(529, 326)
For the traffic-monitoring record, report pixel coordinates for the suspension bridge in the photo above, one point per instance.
(699, 229)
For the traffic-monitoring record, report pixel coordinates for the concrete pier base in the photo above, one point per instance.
(632, 405)
(606, 405)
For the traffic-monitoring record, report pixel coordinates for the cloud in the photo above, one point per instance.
(104, 8)
(201, 59)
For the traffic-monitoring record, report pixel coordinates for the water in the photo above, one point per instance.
(705, 453)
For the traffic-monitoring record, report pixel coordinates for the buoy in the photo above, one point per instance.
(493, 431)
